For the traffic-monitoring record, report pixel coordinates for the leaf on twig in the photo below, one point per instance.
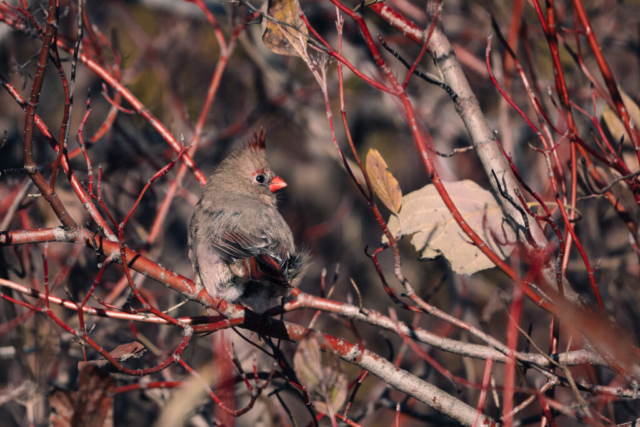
(383, 182)
(308, 364)
(326, 382)
(614, 124)
(287, 36)
(121, 353)
(435, 232)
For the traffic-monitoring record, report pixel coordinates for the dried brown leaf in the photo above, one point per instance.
(62, 407)
(383, 182)
(287, 36)
(120, 353)
(435, 232)
(91, 405)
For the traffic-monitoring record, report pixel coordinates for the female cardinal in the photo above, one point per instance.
(240, 246)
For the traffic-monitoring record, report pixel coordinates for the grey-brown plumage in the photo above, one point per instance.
(241, 248)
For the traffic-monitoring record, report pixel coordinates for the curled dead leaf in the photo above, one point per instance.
(435, 232)
(121, 353)
(285, 33)
(384, 183)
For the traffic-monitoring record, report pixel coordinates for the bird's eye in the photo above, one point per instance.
(260, 179)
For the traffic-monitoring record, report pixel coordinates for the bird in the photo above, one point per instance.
(241, 248)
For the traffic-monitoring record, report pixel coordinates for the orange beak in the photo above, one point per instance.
(276, 184)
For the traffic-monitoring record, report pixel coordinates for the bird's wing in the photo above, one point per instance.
(263, 258)
(231, 246)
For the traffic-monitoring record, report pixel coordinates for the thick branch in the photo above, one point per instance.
(468, 109)
(349, 352)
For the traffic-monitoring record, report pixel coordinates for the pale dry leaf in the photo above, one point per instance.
(287, 36)
(325, 382)
(384, 183)
(435, 232)
(632, 107)
(182, 405)
(307, 363)
(629, 157)
(615, 126)
(337, 382)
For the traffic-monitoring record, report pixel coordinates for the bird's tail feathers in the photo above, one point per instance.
(298, 266)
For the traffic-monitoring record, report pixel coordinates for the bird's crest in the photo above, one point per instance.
(257, 141)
